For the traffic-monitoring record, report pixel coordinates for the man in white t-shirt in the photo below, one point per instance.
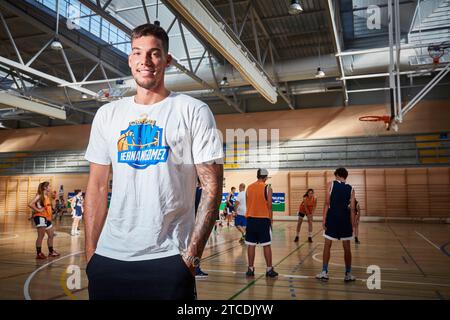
(241, 208)
(147, 244)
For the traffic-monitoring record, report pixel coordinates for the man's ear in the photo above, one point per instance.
(169, 60)
(129, 60)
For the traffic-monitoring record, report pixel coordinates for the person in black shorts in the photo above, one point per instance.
(230, 210)
(338, 221)
(146, 243)
(259, 222)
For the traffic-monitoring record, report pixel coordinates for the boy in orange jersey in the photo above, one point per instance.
(259, 222)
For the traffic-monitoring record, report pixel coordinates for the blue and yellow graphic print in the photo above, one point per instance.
(139, 145)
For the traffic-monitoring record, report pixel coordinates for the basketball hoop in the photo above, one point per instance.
(436, 52)
(374, 125)
(112, 94)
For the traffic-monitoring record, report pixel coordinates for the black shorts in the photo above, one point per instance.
(339, 226)
(259, 231)
(42, 222)
(301, 214)
(230, 210)
(160, 279)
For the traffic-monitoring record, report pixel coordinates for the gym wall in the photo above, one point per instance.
(312, 123)
(383, 192)
(17, 191)
(404, 193)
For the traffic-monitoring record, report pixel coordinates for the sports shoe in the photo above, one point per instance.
(54, 254)
(41, 256)
(77, 233)
(323, 276)
(250, 272)
(310, 240)
(349, 277)
(199, 274)
(296, 239)
(271, 273)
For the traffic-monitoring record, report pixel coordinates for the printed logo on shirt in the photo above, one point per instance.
(139, 145)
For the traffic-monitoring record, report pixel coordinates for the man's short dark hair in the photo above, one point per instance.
(341, 172)
(149, 29)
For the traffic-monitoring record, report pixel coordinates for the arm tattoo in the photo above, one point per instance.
(211, 179)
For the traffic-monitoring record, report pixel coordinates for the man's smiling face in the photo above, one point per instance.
(148, 61)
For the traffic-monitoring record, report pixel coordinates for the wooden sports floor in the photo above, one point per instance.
(414, 260)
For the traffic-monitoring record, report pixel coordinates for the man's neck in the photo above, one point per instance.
(149, 97)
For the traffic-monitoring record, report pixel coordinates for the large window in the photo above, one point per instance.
(90, 22)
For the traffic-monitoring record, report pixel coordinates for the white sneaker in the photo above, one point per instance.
(73, 234)
(77, 233)
(349, 277)
(323, 276)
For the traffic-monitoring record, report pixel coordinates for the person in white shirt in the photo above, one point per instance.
(241, 208)
(148, 243)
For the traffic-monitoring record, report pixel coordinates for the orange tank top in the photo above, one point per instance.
(47, 213)
(311, 203)
(256, 201)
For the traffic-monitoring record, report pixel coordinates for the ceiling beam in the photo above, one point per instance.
(216, 91)
(213, 31)
(65, 40)
(337, 44)
(288, 34)
(100, 10)
(33, 106)
(29, 70)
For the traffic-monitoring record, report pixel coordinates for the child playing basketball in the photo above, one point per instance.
(77, 211)
(231, 212)
(307, 207)
(338, 221)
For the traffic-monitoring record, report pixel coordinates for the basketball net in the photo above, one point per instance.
(112, 94)
(373, 126)
(436, 52)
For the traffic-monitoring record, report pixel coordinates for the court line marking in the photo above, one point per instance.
(343, 265)
(334, 278)
(444, 250)
(407, 252)
(273, 265)
(297, 267)
(26, 286)
(427, 240)
(14, 236)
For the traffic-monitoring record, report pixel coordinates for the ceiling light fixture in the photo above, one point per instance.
(157, 22)
(56, 45)
(224, 82)
(320, 73)
(295, 7)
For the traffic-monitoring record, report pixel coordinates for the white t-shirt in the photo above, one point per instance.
(242, 208)
(153, 150)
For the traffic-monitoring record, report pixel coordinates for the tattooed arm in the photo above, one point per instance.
(211, 179)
